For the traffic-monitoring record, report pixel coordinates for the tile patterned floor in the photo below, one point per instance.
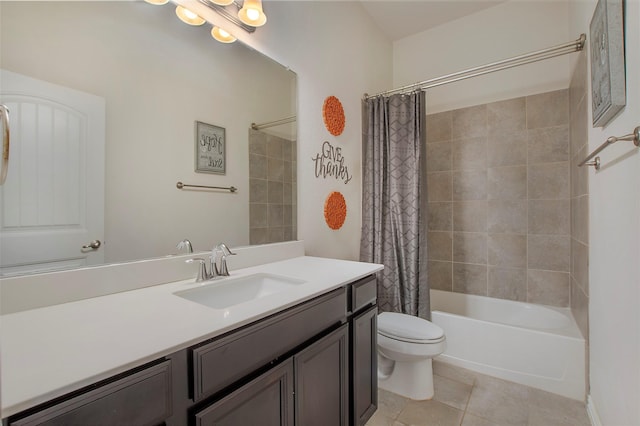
(466, 398)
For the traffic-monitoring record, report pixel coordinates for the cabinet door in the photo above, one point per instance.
(364, 367)
(142, 398)
(266, 401)
(322, 384)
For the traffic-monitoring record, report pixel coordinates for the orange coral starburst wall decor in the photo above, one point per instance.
(333, 115)
(335, 210)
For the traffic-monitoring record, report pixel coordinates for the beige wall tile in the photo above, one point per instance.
(274, 147)
(507, 183)
(469, 153)
(580, 309)
(548, 109)
(548, 181)
(506, 117)
(275, 192)
(275, 234)
(439, 216)
(548, 145)
(439, 245)
(579, 175)
(549, 217)
(507, 150)
(580, 265)
(470, 279)
(439, 186)
(580, 218)
(440, 275)
(439, 156)
(258, 215)
(257, 191)
(257, 166)
(471, 185)
(470, 216)
(548, 288)
(579, 126)
(275, 169)
(469, 247)
(257, 143)
(258, 236)
(507, 283)
(275, 215)
(507, 250)
(469, 122)
(507, 216)
(438, 127)
(549, 252)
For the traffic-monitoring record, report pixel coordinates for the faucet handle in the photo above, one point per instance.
(203, 275)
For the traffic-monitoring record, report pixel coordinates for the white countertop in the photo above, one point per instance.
(50, 351)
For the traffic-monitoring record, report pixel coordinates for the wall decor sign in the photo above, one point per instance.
(333, 115)
(329, 162)
(335, 210)
(608, 86)
(210, 148)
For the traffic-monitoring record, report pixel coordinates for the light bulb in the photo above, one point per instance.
(221, 35)
(157, 2)
(253, 14)
(188, 17)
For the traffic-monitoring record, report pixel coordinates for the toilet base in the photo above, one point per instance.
(412, 380)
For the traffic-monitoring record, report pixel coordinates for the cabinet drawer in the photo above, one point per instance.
(142, 398)
(363, 293)
(223, 361)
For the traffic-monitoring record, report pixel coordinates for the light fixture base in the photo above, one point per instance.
(229, 16)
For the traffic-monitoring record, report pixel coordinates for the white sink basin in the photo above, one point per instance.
(233, 291)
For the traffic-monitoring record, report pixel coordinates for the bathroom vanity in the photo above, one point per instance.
(304, 355)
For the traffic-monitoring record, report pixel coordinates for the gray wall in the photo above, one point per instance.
(272, 192)
(499, 199)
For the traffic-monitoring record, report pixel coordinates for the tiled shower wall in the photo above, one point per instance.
(499, 199)
(578, 105)
(272, 192)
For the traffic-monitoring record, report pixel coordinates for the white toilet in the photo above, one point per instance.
(406, 347)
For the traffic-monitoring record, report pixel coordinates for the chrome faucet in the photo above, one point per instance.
(203, 275)
(185, 244)
(223, 271)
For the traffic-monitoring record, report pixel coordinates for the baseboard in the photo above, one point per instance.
(593, 413)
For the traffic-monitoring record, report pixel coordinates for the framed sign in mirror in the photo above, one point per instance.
(607, 61)
(210, 148)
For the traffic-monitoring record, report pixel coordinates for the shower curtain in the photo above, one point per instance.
(394, 199)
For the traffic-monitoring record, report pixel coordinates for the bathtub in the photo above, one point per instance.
(534, 345)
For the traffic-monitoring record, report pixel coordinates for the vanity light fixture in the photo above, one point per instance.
(252, 14)
(188, 17)
(221, 35)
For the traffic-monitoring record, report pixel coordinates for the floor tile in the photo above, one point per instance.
(450, 392)
(471, 420)
(390, 404)
(430, 413)
(499, 401)
(454, 373)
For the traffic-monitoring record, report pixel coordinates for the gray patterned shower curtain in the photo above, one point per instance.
(394, 199)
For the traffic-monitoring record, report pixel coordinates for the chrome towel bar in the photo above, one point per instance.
(181, 185)
(635, 137)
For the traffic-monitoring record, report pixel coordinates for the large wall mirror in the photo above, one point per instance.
(104, 100)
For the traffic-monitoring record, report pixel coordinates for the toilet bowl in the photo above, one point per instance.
(406, 348)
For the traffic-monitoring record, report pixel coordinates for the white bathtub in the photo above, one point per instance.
(535, 345)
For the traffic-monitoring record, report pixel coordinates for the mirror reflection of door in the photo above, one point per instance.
(52, 202)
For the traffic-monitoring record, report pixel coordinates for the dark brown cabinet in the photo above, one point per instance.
(322, 381)
(311, 364)
(267, 400)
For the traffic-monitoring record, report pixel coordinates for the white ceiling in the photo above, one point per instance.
(402, 18)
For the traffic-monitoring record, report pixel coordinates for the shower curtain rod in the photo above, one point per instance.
(255, 126)
(527, 58)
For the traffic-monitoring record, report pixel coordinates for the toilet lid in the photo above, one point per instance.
(407, 327)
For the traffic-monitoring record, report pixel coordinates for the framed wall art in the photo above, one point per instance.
(608, 84)
(210, 149)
